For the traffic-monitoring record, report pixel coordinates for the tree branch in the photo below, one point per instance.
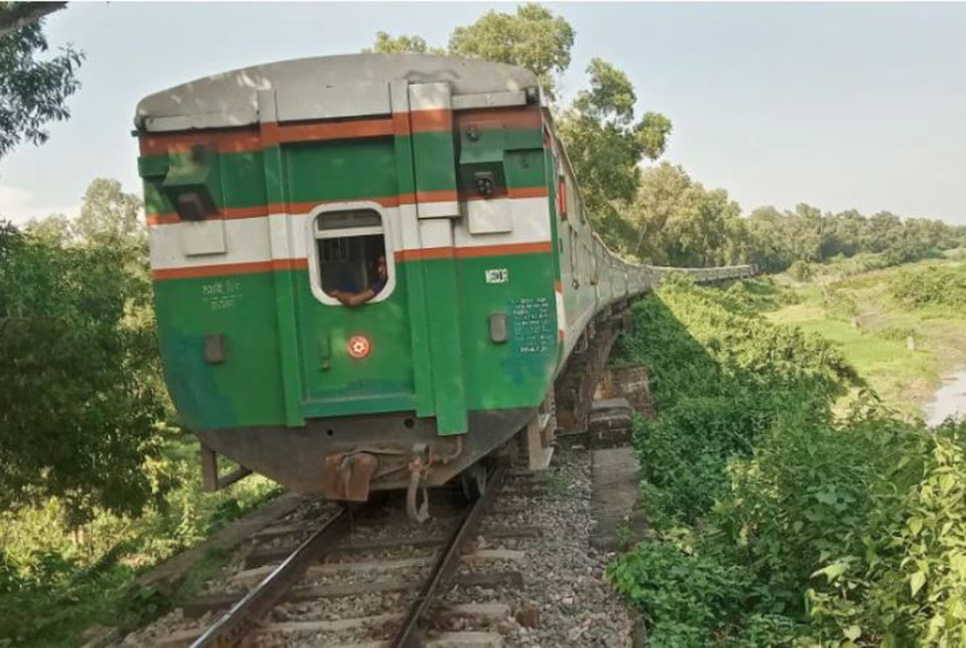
(20, 14)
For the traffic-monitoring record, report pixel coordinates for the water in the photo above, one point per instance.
(950, 400)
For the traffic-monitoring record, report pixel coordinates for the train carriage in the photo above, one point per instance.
(434, 185)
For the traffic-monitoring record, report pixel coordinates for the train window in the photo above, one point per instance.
(349, 259)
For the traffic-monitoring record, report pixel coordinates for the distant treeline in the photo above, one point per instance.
(674, 220)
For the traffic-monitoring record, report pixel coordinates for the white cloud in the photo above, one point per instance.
(20, 205)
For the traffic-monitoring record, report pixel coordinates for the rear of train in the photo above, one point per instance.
(270, 189)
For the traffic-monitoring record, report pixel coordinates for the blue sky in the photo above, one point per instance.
(838, 105)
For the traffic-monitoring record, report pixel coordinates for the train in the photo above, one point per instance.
(369, 269)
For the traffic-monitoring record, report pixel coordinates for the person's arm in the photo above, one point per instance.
(354, 299)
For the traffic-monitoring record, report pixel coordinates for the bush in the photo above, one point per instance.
(78, 400)
(773, 523)
(801, 271)
(935, 287)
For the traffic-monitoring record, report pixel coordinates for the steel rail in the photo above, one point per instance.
(411, 633)
(237, 622)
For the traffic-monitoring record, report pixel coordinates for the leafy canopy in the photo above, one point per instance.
(402, 44)
(533, 38)
(605, 143)
(606, 146)
(33, 91)
(80, 395)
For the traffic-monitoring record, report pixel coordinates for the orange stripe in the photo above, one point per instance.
(510, 117)
(442, 195)
(558, 286)
(438, 119)
(228, 213)
(274, 133)
(528, 192)
(234, 140)
(230, 269)
(400, 123)
(249, 138)
(162, 219)
(501, 250)
(425, 253)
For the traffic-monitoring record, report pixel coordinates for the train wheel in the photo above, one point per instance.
(473, 480)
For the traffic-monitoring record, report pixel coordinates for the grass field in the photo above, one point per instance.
(902, 352)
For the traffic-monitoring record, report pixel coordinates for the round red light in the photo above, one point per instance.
(359, 347)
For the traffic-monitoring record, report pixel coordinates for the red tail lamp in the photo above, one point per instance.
(359, 347)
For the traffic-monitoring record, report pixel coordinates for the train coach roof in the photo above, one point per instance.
(231, 98)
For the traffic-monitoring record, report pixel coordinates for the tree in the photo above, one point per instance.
(606, 146)
(534, 38)
(14, 15)
(80, 387)
(109, 215)
(77, 419)
(387, 44)
(32, 92)
(664, 190)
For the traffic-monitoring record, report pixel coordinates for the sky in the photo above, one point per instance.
(837, 105)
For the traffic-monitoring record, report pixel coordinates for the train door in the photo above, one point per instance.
(354, 306)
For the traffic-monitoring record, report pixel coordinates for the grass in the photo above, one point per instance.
(857, 314)
(56, 582)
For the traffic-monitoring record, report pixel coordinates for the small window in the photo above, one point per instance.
(350, 261)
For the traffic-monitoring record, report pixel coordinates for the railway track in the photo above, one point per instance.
(367, 578)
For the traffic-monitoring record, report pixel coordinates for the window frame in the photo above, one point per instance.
(314, 235)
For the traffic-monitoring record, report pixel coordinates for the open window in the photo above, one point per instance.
(350, 253)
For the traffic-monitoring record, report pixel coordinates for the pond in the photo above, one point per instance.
(950, 400)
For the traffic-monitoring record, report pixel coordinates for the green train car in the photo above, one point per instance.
(368, 269)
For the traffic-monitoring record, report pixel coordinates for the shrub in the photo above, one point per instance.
(929, 286)
(801, 271)
(774, 523)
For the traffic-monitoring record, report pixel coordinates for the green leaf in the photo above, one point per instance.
(915, 526)
(853, 632)
(946, 483)
(833, 571)
(916, 581)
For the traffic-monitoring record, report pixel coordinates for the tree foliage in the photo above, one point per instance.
(533, 38)
(604, 141)
(606, 145)
(79, 390)
(33, 91)
(402, 44)
(675, 220)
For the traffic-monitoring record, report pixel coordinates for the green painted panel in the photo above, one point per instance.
(340, 170)
(445, 333)
(247, 388)
(517, 372)
(435, 157)
(525, 169)
(331, 378)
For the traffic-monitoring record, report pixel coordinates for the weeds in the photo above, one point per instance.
(774, 523)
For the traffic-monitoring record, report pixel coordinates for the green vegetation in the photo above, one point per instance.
(674, 220)
(774, 523)
(903, 327)
(98, 482)
(932, 287)
(660, 214)
(33, 90)
(605, 142)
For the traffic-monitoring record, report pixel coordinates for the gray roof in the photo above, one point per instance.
(231, 98)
